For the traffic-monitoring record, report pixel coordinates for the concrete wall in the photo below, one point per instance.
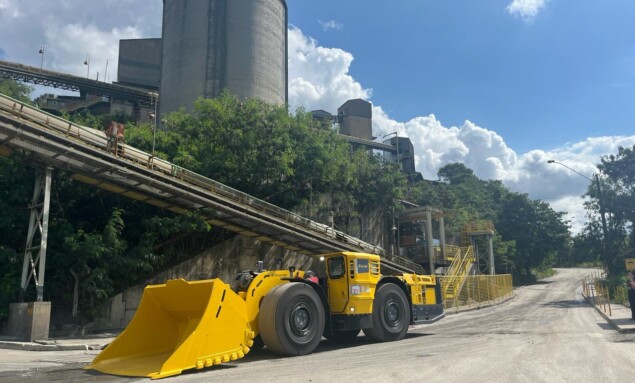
(359, 127)
(222, 261)
(356, 119)
(29, 321)
(257, 49)
(211, 45)
(227, 259)
(140, 62)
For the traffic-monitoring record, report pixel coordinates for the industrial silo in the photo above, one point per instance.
(211, 45)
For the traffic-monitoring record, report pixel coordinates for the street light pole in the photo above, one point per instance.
(41, 52)
(155, 100)
(106, 74)
(87, 63)
(605, 230)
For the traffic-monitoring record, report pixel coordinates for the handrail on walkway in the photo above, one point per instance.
(25, 127)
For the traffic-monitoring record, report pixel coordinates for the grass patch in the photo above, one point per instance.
(544, 272)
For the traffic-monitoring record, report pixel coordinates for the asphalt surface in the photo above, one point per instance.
(546, 333)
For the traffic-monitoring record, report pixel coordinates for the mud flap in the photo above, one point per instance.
(178, 326)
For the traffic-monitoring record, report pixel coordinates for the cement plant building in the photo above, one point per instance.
(208, 46)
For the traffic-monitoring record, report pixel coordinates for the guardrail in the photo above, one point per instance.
(602, 296)
(60, 80)
(479, 290)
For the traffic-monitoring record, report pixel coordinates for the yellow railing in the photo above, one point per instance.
(452, 252)
(457, 272)
(478, 290)
(476, 226)
(603, 296)
(481, 226)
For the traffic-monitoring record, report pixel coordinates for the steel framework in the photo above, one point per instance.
(34, 267)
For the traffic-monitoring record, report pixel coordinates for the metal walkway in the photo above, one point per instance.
(53, 79)
(130, 172)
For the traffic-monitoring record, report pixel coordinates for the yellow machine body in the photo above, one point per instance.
(183, 325)
(259, 287)
(421, 288)
(352, 279)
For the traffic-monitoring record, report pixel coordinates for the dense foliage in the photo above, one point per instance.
(615, 195)
(530, 234)
(100, 243)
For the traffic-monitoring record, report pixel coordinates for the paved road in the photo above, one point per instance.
(547, 333)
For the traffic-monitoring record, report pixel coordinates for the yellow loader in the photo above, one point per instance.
(182, 325)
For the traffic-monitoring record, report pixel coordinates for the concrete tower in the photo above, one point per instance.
(211, 45)
(356, 119)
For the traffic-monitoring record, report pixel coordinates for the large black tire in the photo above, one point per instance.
(391, 314)
(258, 344)
(291, 319)
(345, 336)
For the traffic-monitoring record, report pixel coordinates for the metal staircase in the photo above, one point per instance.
(457, 273)
(463, 259)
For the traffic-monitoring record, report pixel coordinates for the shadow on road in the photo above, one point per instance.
(605, 326)
(532, 283)
(67, 373)
(325, 345)
(75, 373)
(568, 304)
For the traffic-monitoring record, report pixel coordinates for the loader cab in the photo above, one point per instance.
(351, 282)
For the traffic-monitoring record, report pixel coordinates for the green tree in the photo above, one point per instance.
(16, 187)
(539, 232)
(618, 200)
(285, 159)
(529, 233)
(16, 90)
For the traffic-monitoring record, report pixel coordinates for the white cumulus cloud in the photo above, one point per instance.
(319, 79)
(526, 9)
(318, 76)
(480, 149)
(72, 29)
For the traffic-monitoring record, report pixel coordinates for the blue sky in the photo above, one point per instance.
(566, 74)
(499, 85)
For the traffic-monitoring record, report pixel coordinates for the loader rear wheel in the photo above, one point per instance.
(291, 319)
(391, 314)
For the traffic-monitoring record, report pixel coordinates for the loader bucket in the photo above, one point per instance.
(179, 325)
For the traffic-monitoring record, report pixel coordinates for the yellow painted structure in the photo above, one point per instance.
(184, 325)
(180, 325)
